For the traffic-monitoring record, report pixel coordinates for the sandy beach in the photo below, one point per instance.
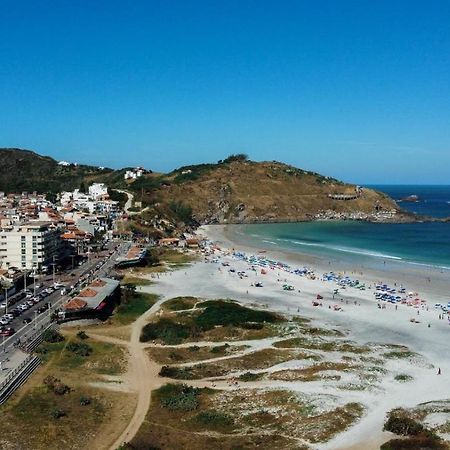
(358, 313)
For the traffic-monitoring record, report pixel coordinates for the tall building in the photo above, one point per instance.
(34, 245)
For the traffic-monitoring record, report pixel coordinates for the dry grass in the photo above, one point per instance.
(259, 360)
(27, 418)
(165, 428)
(174, 355)
(284, 412)
(322, 344)
(313, 373)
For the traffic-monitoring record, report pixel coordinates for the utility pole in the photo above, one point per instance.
(54, 269)
(34, 282)
(35, 319)
(6, 300)
(25, 280)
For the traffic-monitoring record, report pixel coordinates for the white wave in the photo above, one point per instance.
(355, 251)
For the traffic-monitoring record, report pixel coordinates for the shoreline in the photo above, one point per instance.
(429, 279)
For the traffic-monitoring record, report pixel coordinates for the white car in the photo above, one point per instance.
(3, 305)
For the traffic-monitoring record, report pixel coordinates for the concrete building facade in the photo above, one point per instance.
(29, 246)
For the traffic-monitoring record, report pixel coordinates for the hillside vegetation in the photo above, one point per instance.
(24, 170)
(240, 191)
(234, 190)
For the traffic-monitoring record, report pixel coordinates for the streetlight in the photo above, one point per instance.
(34, 282)
(25, 280)
(54, 269)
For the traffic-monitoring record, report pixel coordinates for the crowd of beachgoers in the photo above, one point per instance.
(385, 295)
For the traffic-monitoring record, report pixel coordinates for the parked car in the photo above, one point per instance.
(7, 331)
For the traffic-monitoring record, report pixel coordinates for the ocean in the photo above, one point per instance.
(371, 244)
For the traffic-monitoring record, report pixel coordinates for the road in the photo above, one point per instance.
(88, 271)
(129, 203)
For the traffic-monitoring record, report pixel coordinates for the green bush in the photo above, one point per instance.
(82, 335)
(55, 385)
(214, 418)
(250, 376)
(79, 348)
(177, 373)
(220, 348)
(52, 336)
(58, 413)
(84, 401)
(178, 397)
(227, 313)
(415, 443)
(402, 425)
(170, 332)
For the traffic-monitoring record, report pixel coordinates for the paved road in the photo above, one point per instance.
(94, 268)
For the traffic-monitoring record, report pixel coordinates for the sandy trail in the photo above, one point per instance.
(143, 377)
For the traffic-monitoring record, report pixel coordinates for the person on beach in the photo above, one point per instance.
(439, 371)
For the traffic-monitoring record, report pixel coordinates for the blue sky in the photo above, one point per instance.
(359, 90)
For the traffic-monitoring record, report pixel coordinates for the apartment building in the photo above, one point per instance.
(34, 245)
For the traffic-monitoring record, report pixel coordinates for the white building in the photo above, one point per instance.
(28, 246)
(98, 190)
(133, 174)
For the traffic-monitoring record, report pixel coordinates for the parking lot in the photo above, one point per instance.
(29, 312)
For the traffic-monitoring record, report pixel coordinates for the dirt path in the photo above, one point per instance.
(143, 376)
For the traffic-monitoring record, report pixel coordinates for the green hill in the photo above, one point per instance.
(24, 170)
(234, 190)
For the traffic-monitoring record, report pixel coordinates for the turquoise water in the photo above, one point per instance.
(417, 243)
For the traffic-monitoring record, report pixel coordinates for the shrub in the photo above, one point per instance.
(80, 349)
(402, 425)
(414, 443)
(168, 331)
(58, 413)
(84, 401)
(82, 335)
(52, 336)
(403, 377)
(227, 313)
(220, 348)
(55, 385)
(214, 418)
(178, 397)
(235, 157)
(194, 348)
(178, 373)
(181, 211)
(250, 376)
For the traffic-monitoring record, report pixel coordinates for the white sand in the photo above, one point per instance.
(365, 322)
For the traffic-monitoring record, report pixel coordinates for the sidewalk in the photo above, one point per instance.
(10, 360)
